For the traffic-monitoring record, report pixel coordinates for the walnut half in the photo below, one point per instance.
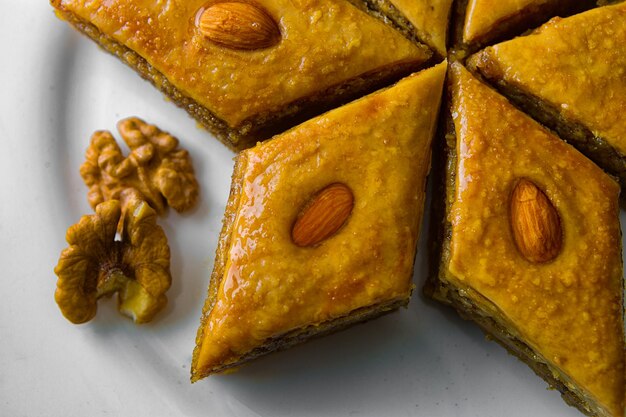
(156, 168)
(97, 265)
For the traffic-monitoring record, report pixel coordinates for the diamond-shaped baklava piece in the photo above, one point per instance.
(321, 226)
(531, 247)
(242, 68)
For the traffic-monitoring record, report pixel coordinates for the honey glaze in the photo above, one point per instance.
(235, 84)
(271, 286)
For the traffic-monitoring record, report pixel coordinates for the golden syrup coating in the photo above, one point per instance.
(378, 146)
(568, 309)
(577, 64)
(323, 43)
(482, 16)
(430, 19)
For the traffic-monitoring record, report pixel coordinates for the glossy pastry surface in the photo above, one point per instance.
(568, 308)
(322, 43)
(576, 64)
(378, 148)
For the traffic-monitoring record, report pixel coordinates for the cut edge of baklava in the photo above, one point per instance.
(508, 27)
(582, 138)
(390, 14)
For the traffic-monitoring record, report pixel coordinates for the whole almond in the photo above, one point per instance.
(323, 215)
(535, 223)
(239, 25)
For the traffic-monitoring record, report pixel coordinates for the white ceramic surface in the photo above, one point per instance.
(57, 88)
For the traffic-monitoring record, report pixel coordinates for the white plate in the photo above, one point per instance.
(57, 89)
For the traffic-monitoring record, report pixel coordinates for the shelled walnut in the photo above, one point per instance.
(156, 168)
(95, 264)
